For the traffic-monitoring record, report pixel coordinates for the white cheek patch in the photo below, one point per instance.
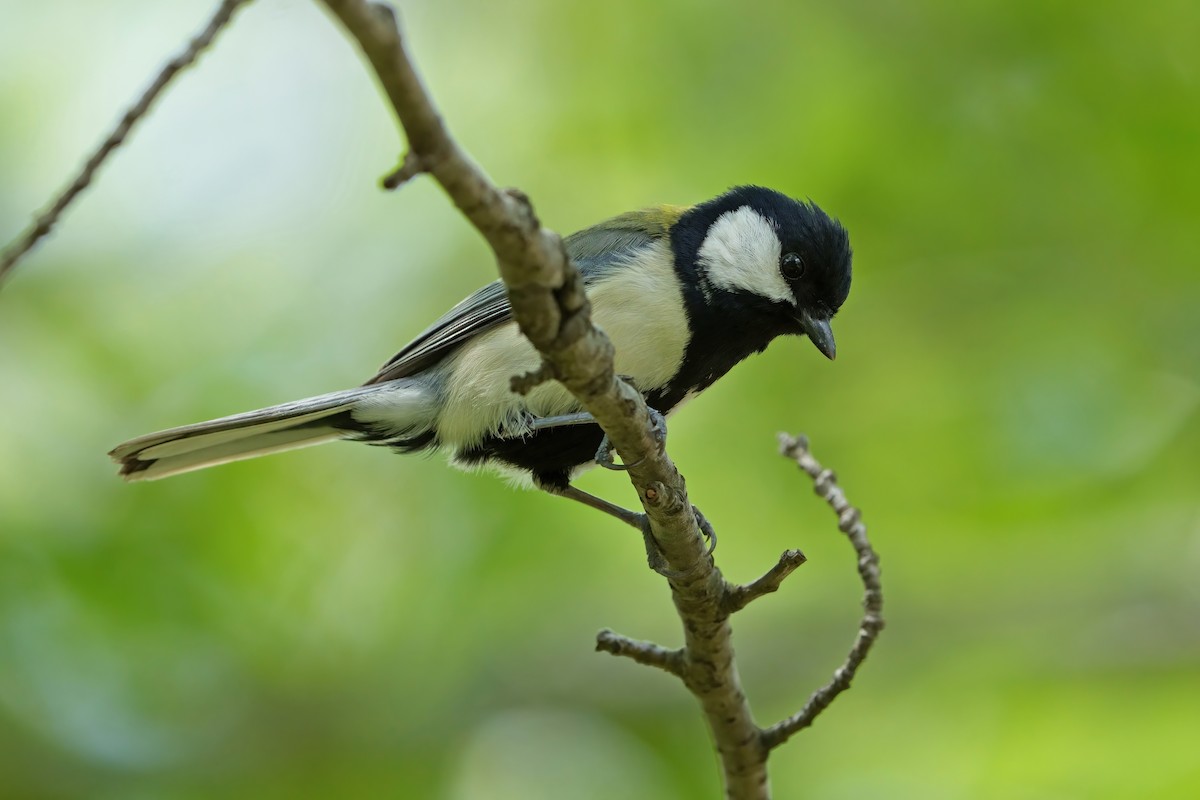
(741, 252)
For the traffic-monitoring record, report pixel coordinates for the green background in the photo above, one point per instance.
(1014, 406)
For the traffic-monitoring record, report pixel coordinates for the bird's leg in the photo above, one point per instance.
(654, 556)
(561, 421)
(631, 518)
(604, 455)
(577, 418)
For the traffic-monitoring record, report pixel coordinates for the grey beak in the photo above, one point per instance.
(819, 332)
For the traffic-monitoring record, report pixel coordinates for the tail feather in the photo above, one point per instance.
(301, 423)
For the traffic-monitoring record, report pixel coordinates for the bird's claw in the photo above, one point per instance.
(658, 562)
(706, 529)
(606, 451)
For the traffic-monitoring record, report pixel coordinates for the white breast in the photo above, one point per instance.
(639, 306)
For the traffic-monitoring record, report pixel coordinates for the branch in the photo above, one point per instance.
(550, 306)
(849, 523)
(738, 597)
(549, 303)
(44, 223)
(646, 653)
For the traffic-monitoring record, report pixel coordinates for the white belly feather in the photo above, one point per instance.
(643, 315)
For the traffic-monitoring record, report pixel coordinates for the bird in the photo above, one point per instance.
(685, 293)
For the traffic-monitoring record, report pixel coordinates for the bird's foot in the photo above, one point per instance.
(604, 455)
(654, 556)
(658, 562)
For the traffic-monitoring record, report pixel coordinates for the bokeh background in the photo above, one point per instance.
(1014, 406)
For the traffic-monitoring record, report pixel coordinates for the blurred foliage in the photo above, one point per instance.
(1014, 405)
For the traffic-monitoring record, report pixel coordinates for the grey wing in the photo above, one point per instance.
(481, 311)
(593, 250)
(597, 250)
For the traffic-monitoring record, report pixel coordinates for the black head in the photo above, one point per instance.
(786, 258)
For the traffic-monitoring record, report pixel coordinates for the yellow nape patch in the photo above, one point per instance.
(654, 221)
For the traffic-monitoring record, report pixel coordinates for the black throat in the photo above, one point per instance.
(726, 326)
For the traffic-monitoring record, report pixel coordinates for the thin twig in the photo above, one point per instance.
(738, 597)
(44, 223)
(647, 653)
(410, 167)
(849, 523)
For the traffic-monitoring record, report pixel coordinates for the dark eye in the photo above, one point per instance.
(792, 266)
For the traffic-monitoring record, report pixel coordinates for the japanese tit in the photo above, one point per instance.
(685, 293)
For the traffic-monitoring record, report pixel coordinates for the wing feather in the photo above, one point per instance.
(481, 311)
(594, 250)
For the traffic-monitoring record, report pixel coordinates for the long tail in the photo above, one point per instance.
(398, 412)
